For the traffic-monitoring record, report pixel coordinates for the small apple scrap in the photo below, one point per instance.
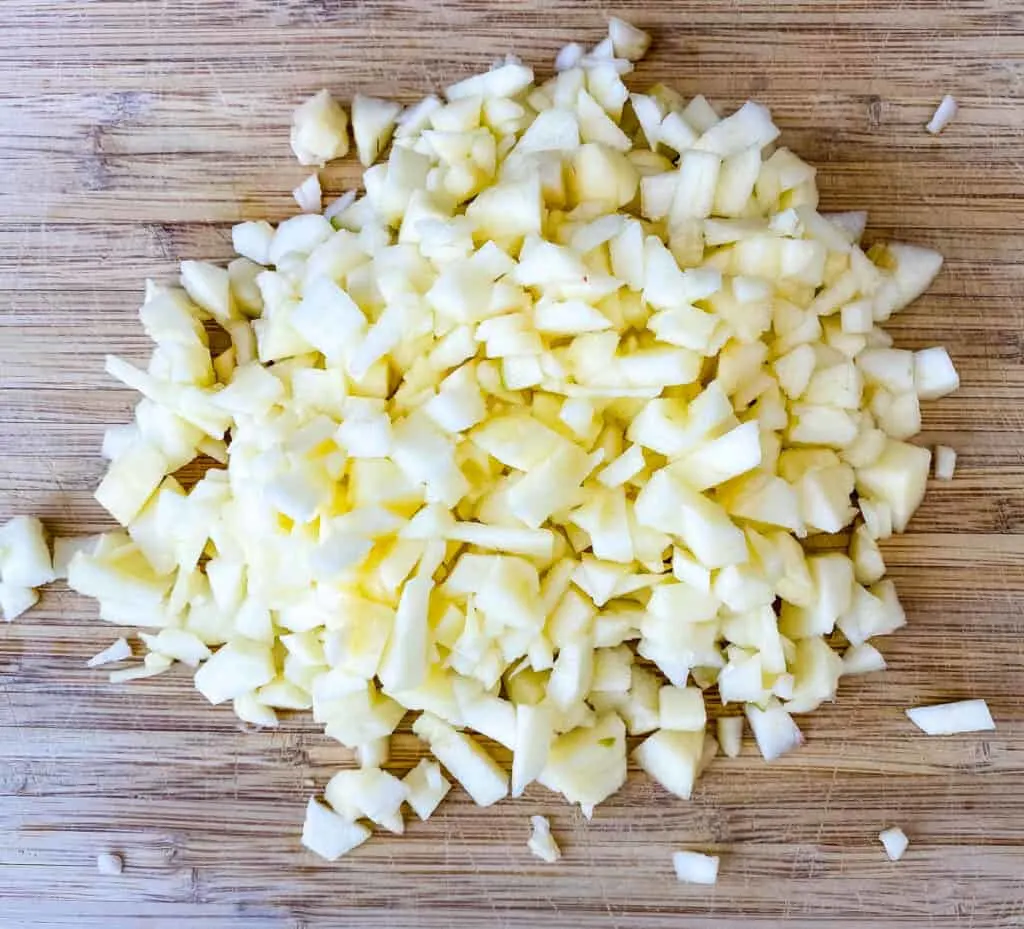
(945, 462)
(523, 439)
(542, 843)
(695, 867)
(895, 842)
(308, 195)
(118, 651)
(952, 718)
(943, 115)
(109, 864)
(25, 564)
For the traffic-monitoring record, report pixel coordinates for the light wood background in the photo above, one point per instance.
(132, 134)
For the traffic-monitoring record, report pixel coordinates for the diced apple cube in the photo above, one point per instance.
(695, 868)
(587, 765)
(934, 374)
(895, 842)
(627, 41)
(682, 709)
(14, 600)
(945, 462)
(467, 762)
(235, 669)
(774, 730)
(898, 478)
(730, 735)
(319, 131)
(24, 555)
(368, 792)
(425, 788)
(329, 835)
(862, 659)
(672, 758)
(373, 121)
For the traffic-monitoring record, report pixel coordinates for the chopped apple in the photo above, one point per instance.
(934, 374)
(425, 788)
(329, 835)
(235, 669)
(951, 718)
(695, 867)
(627, 41)
(587, 765)
(898, 478)
(373, 121)
(682, 709)
(25, 559)
(319, 131)
(895, 842)
(542, 843)
(14, 600)
(945, 462)
(774, 730)
(672, 759)
(467, 762)
(862, 659)
(730, 735)
(573, 383)
(368, 792)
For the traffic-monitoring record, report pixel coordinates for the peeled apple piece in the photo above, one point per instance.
(425, 788)
(672, 759)
(934, 374)
(533, 735)
(116, 652)
(319, 131)
(627, 41)
(895, 842)
(572, 381)
(308, 195)
(465, 760)
(109, 864)
(25, 559)
(373, 121)
(730, 735)
(952, 718)
(368, 792)
(542, 842)
(588, 765)
(329, 835)
(235, 669)
(682, 708)
(943, 115)
(14, 601)
(695, 867)
(66, 549)
(862, 659)
(774, 730)
(945, 462)
(25, 564)
(899, 478)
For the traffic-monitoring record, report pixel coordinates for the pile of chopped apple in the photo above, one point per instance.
(526, 440)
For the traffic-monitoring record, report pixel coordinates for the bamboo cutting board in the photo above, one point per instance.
(132, 134)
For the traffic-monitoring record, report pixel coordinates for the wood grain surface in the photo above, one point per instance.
(132, 134)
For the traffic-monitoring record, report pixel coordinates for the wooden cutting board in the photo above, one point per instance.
(134, 134)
